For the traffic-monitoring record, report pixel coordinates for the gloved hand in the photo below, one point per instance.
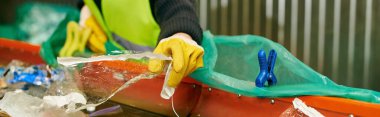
(187, 56)
(98, 38)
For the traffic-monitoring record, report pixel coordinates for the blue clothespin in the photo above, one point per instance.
(266, 68)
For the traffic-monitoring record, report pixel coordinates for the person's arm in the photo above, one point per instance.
(180, 38)
(176, 16)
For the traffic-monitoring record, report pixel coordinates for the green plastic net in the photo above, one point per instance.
(231, 64)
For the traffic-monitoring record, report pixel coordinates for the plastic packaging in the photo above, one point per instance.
(167, 91)
(20, 104)
(100, 77)
(33, 79)
(31, 75)
(231, 64)
(82, 82)
(300, 109)
(20, 72)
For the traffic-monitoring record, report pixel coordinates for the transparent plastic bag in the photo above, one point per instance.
(80, 83)
(99, 78)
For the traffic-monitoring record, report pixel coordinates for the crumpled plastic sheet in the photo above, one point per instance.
(88, 82)
(300, 109)
(20, 104)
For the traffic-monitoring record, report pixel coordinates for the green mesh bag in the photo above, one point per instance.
(35, 22)
(231, 64)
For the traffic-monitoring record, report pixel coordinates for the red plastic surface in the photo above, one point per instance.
(218, 103)
(146, 95)
(10, 49)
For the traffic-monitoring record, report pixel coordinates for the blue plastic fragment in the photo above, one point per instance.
(31, 75)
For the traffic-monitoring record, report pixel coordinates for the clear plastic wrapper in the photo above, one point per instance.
(98, 78)
(20, 104)
(300, 109)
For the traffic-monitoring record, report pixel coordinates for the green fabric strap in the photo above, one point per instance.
(132, 20)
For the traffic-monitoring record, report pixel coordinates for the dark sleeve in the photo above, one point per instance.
(175, 16)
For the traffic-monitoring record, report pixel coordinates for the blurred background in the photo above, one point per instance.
(337, 38)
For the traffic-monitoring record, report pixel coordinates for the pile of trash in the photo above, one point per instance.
(38, 90)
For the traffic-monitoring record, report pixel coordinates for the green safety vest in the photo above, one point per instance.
(130, 19)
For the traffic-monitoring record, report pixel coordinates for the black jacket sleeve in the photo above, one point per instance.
(175, 16)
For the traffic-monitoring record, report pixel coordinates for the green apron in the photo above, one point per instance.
(130, 19)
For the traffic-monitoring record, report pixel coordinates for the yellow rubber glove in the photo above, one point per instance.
(76, 39)
(96, 45)
(98, 31)
(187, 56)
(72, 39)
(85, 35)
(97, 38)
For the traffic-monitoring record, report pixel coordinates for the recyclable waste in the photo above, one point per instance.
(74, 85)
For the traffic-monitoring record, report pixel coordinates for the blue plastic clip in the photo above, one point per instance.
(266, 69)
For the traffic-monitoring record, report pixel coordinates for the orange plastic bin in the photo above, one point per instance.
(195, 99)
